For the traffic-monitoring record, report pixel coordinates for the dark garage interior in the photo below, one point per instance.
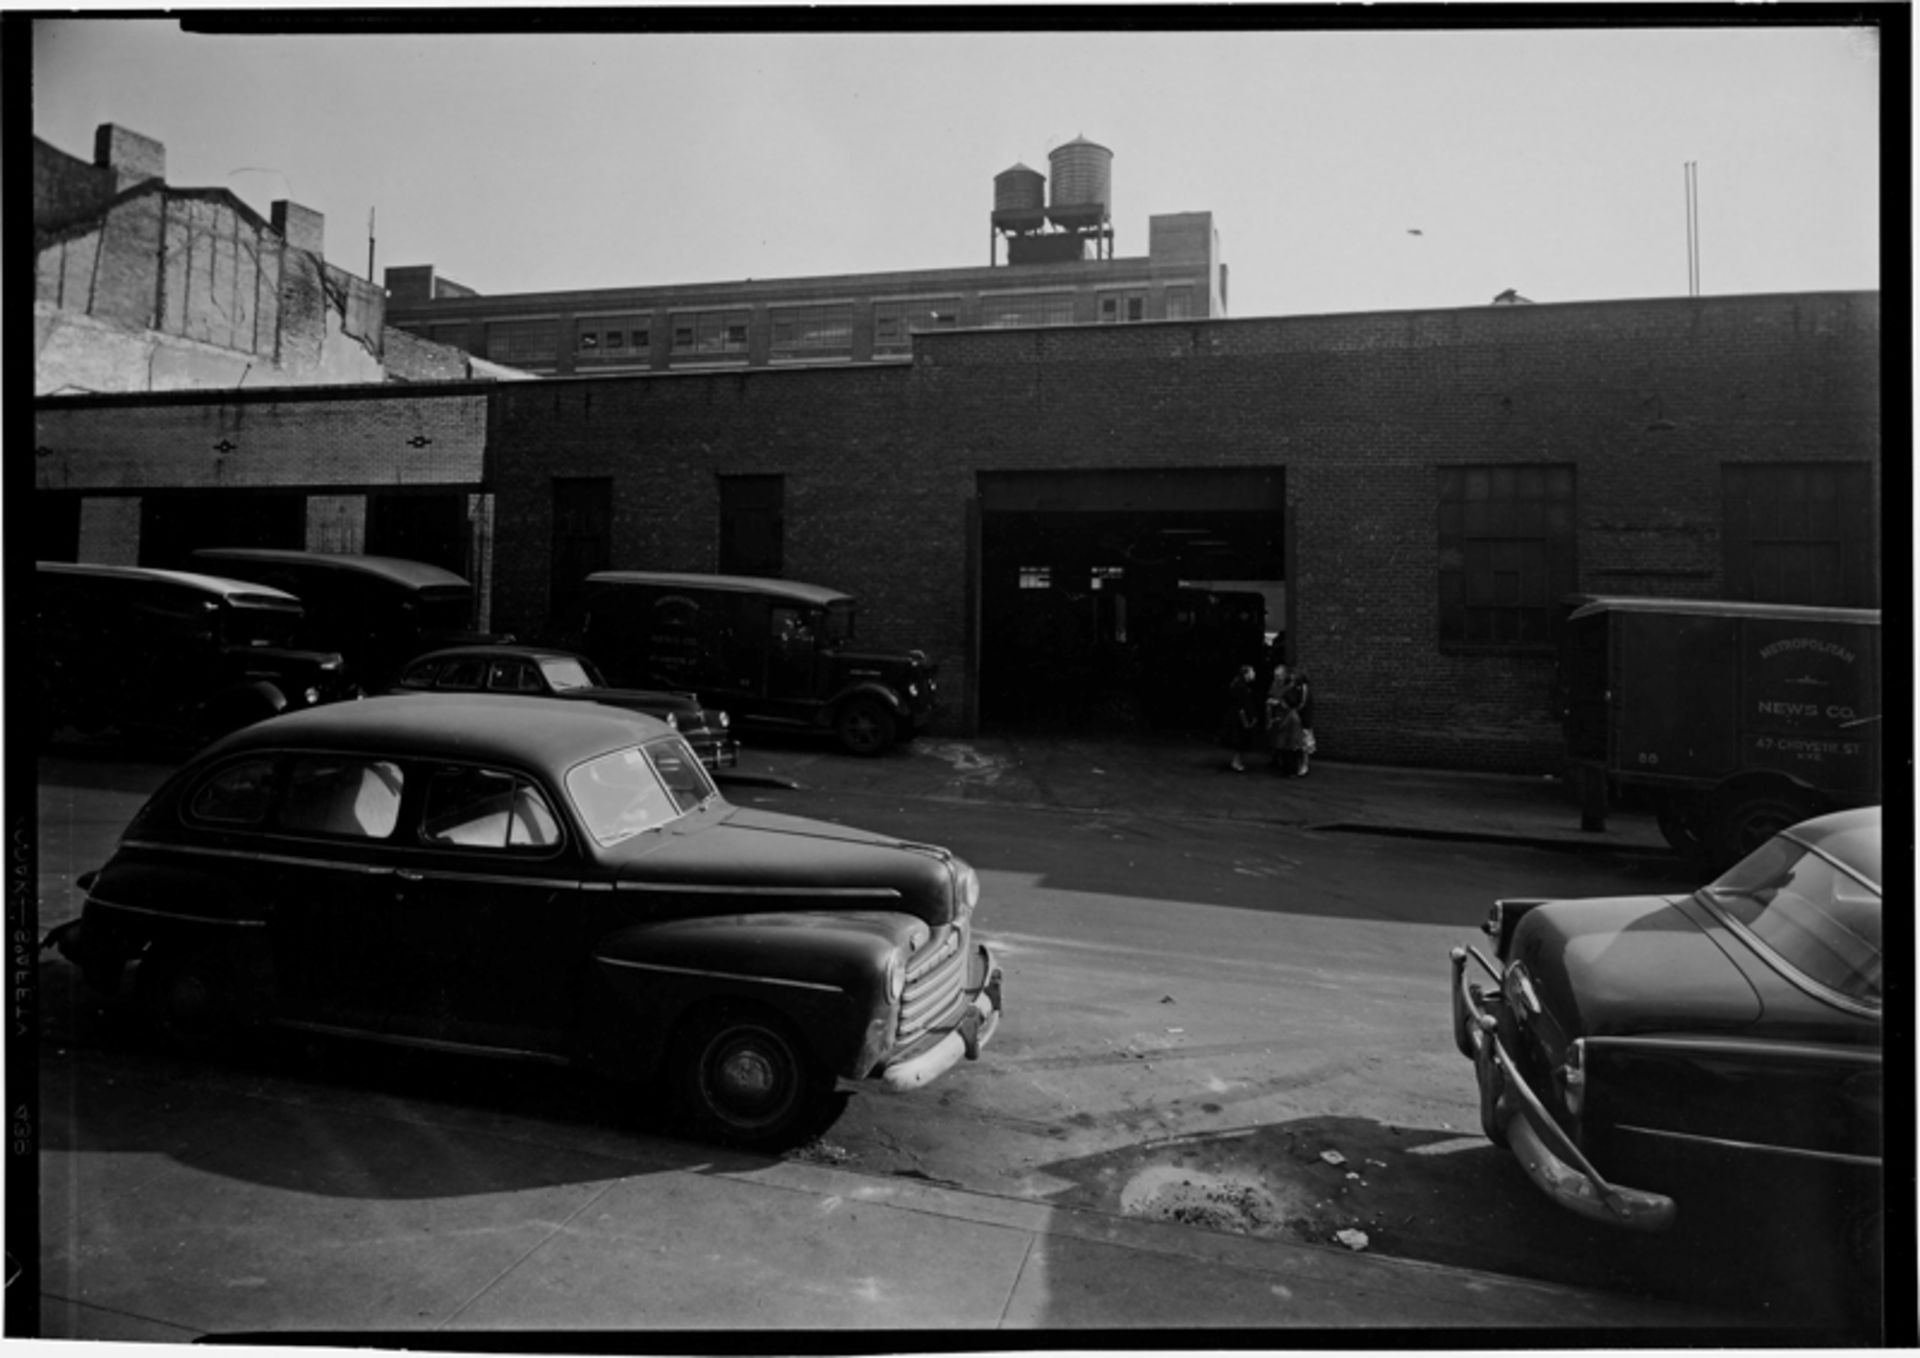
(1124, 600)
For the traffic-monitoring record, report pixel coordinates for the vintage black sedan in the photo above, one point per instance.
(544, 672)
(1629, 1049)
(560, 882)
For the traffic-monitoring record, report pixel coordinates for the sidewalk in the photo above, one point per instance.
(1185, 779)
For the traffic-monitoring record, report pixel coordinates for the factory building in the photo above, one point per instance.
(1059, 269)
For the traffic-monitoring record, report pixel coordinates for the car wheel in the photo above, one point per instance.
(1682, 827)
(746, 1080)
(866, 727)
(1742, 822)
(186, 996)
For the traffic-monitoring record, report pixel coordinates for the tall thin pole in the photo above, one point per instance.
(369, 245)
(1697, 280)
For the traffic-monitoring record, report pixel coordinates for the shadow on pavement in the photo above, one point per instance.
(1447, 1198)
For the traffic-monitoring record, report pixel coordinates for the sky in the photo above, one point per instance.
(1346, 170)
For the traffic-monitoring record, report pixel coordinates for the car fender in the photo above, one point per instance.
(826, 974)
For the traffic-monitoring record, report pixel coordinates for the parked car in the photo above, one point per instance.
(378, 611)
(554, 881)
(168, 654)
(775, 653)
(1627, 1049)
(539, 671)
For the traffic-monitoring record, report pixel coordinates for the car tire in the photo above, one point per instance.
(187, 998)
(1742, 821)
(1683, 827)
(746, 1079)
(866, 727)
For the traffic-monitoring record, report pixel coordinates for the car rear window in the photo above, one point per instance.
(239, 794)
(1817, 918)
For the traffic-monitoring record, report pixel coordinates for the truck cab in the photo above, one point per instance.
(777, 654)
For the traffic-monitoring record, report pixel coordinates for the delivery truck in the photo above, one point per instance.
(1729, 720)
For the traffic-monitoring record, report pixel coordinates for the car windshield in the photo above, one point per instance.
(1808, 911)
(839, 627)
(565, 673)
(638, 788)
(249, 626)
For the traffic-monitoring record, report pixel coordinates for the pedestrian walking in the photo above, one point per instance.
(1243, 717)
(1307, 743)
(1286, 732)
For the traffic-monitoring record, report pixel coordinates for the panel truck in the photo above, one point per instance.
(1731, 720)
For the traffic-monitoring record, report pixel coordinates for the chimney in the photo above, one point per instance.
(300, 227)
(134, 159)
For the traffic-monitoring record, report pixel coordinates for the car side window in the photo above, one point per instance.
(239, 794)
(464, 674)
(342, 795)
(420, 675)
(475, 808)
(513, 676)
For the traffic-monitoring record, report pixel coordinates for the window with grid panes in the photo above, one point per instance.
(1179, 303)
(523, 341)
(1123, 306)
(1028, 308)
(612, 337)
(1801, 533)
(895, 322)
(1506, 554)
(709, 334)
(824, 331)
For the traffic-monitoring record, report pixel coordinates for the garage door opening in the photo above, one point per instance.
(1123, 601)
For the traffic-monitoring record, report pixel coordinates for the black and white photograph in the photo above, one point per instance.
(890, 680)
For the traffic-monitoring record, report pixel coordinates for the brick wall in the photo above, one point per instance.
(1646, 399)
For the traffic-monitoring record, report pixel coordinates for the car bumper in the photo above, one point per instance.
(976, 1028)
(1512, 1112)
(716, 754)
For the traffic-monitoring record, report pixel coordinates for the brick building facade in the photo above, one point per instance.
(1425, 485)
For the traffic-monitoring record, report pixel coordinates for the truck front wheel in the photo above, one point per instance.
(865, 727)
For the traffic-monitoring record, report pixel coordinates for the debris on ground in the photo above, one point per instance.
(1353, 1240)
(1166, 999)
(1333, 1157)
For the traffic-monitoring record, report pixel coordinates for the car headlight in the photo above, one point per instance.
(673, 722)
(967, 887)
(725, 721)
(896, 976)
(312, 696)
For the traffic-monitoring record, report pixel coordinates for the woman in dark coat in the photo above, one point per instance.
(1243, 716)
(1286, 731)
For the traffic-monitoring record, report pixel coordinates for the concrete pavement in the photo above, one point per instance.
(245, 1208)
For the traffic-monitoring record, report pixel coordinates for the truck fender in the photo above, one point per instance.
(869, 688)
(827, 975)
(242, 705)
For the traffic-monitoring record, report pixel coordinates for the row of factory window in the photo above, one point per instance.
(794, 333)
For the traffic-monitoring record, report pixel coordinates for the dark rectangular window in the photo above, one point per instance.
(515, 342)
(710, 334)
(1506, 554)
(1028, 308)
(752, 525)
(606, 339)
(582, 543)
(801, 332)
(894, 323)
(1801, 533)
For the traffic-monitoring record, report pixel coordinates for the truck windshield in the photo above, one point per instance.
(1809, 912)
(839, 622)
(566, 673)
(249, 626)
(638, 788)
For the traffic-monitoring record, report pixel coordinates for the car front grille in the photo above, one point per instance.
(936, 983)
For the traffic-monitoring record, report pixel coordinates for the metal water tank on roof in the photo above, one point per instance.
(1082, 177)
(1019, 189)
